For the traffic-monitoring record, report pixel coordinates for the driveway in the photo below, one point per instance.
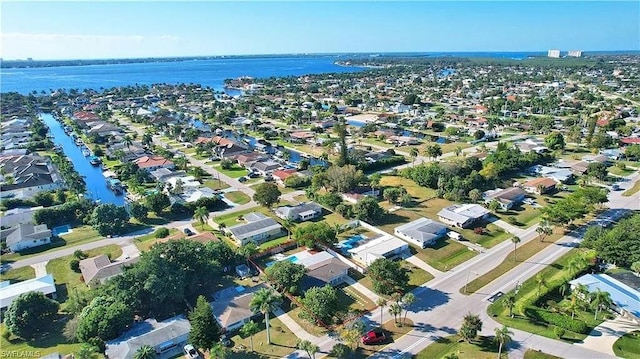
(604, 335)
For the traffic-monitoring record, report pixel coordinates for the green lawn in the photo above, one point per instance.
(619, 171)
(80, 235)
(231, 219)
(481, 348)
(237, 197)
(492, 236)
(445, 254)
(234, 172)
(52, 342)
(529, 291)
(19, 274)
(418, 193)
(524, 215)
(214, 184)
(523, 253)
(534, 354)
(628, 346)
(283, 342)
(631, 191)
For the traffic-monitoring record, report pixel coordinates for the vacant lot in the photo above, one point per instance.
(481, 348)
(237, 197)
(283, 342)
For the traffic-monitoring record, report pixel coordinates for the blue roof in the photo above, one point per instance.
(622, 295)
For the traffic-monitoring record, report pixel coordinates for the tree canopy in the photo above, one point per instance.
(368, 209)
(388, 276)
(320, 304)
(104, 318)
(617, 245)
(286, 275)
(315, 233)
(205, 331)
(267, 194)
(109, 219)
(29, 313)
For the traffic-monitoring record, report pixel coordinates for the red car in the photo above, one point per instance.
(373, 337)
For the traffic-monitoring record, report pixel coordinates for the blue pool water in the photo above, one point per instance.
(350, 243)
(59, 230)
(292, 259)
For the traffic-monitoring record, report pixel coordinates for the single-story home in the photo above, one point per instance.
(360, 192)
(626, 299)
(16, 216)
(383, 247)
(257, 229)
(96, 270)
(422, 232)
(462, 215)
(9, 292)
(281, 175)
(540, 185)
(264, 167)
(167, 338)
(506, 197)
(152, 163)
(323, 268)
(231, 306)
(300, 213)
(25, 235)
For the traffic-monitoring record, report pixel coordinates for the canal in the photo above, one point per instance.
(96, 185)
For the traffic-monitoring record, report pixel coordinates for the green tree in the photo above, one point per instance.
(368, 209)
(157, 202)
(555, 141)
(264, 301)
(218, 351)
(201, 214)
(86, 351)
(286, 275)
(388, 276)
(316, 233)
(457, 151)
(249, 329)
(413, 153)
(541, 282)
(471, 326)
(635, 266)
(205, 331)
(109, 219)
(395, 309)
(510, 301)
(340, 129)
(104, 318)
(351, 337)
(434, 151)
(267, 194)
(145, 352)
(597, 170)
(381, 303)
(345, 178)
(600, 301)
(341, 351)
(475, 195)
(543, 230)
(310, 348)
(27, 314)
(515, 240)
(407, 300)
(320, 304)
(502, 337)
(139, 211)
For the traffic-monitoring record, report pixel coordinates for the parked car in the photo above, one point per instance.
(225, 341)
(243, 179)
(375, 336)
(191, 352)
(253, 175)
(615, 187)
(188, 232)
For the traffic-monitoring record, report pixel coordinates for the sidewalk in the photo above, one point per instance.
(294, 327)
(362, 289)
(424, 266)
(40, 268)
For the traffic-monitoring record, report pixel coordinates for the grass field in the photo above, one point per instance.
(628, 346)
(533, 354)
(416, 191)
(214, 184)
(445, 254)
(80, 235)
(619, 171)
(481, 348)
(525, 215)
(283, 342)
(523, 253)
(234, 172)
(631, 191)
(237, 197)
(19, 274)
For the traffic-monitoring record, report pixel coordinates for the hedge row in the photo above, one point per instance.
(557, 319)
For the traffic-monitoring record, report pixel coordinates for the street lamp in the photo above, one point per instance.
(467, 282)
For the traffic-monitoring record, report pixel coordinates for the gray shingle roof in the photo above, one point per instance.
(423, 229)
(255, 226)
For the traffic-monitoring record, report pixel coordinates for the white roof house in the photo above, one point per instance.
(625, 298)
(167, 338)
(462, 215)
(383, 247)
(422, 232)
(9, 292)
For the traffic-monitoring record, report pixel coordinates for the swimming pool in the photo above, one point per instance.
(60, 230)
(352, 242)
(292, 259)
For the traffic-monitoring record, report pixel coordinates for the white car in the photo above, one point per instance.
(191, 352)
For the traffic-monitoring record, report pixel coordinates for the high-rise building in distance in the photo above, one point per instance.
(553, 54)
(575, 53)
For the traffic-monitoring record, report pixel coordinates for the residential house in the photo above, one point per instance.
(103, 129)
(163, 174)
(151, 163)
(463, 215)
(301, 136)
(265, 167)
(383, 247)
(193, 194)
(167, 338)
(96, 270)
(247, 159)
(231, 151)
(422, 232)
(258, 229)
(540, 185)
(17, 216)
(626, 300)
(232, 306)
(281, 175)
(507, 197)
(300, 213)
(25, 236)
(130, 152)
(9, 292)
(323, 268)
(358, 193)
(403, 140)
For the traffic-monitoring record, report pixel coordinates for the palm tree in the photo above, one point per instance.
(288, 224)
(573, 305)
(201, 215)
(515, 241)
(600, 301)
(471, 326)
(635, 266)
(502, 337)
(264, 301)
(413, 153)
(145, 352)
(407, 300)
(181, 162)
(510, 301)
(381, 303)
(128, 141)
(218, 351)
(540, 282)
(457, 151)
(544, 229)
(308, 347)
(395, 309)
(576, 264)
(87, 351)
(249, 329)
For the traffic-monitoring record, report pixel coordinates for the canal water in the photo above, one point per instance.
(96, 185)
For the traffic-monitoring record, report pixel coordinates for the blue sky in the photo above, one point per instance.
(67, 30)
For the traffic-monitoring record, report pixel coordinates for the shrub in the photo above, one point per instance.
(559, 332)
(162, 232)
(557, 319)
(297, 182)
(74, 264)
(478, 230)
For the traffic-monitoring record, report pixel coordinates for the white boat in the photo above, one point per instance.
(86, 152)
